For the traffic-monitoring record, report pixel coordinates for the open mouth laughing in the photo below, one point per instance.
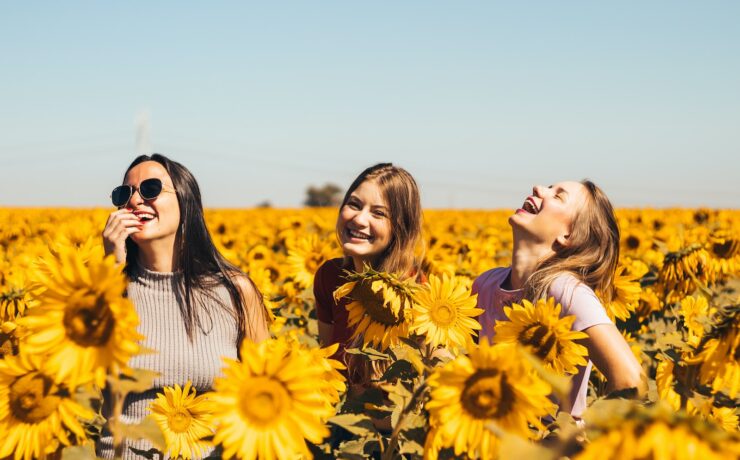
(530, 206)
(144, 216)
(357, 235)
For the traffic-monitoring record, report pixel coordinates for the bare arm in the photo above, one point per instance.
(255, 313)
(611, 354)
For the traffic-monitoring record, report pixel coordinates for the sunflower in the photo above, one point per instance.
(549, 337)
(626, 292)
(259, 254)
(635, 240)
(38, 413)
(684, 270)
(271, 402)
(649, 303)
(381, 306)
(627, 430)
(305, 257)
(718, 353)
(725, 417)
(82, 319)
(185, 419)
(695, 312)
(335, 384)
(724, 247)
(492, 384)
(15, 295)
(444, 312)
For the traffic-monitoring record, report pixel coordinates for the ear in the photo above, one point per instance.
(563, 240)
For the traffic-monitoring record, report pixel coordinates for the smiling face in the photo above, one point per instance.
(160, 216)
(364, 224)
(548, 214)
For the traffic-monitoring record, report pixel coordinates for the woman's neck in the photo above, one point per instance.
(359, 264)
(525, 258)
(157, 257)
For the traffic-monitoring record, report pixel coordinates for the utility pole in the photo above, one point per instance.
(143, 139)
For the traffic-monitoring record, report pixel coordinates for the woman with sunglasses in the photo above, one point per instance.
(194, 306)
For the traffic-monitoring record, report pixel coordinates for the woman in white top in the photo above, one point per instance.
(566, 245)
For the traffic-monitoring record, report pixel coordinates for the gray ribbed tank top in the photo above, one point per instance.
(157, 297)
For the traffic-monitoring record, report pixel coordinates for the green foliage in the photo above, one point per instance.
(326, 195)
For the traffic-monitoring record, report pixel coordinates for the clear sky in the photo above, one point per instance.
(478, 100)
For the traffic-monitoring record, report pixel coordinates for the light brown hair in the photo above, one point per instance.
(592, 252)
(405, 250)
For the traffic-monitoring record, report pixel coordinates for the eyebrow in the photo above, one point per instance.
(375, 206)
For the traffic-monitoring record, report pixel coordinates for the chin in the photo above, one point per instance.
(514, 221)
(351, 251)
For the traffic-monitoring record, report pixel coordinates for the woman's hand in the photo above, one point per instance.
(612, 355)
(120, 225)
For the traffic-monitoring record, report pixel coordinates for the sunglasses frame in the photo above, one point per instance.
(137, 188)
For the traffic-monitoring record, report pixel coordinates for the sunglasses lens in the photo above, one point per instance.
(150, 188)
(120, 195)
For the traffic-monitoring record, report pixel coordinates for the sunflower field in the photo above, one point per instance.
(430, 390)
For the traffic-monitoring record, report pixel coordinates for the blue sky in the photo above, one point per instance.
(478, 100)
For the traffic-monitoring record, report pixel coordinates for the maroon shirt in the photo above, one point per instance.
(327, 279)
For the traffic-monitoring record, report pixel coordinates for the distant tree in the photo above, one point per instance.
(328, 195)
(264, 204)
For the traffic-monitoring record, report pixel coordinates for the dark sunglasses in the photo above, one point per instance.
(148, 189)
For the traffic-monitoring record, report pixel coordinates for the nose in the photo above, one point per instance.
(135, 199)
(361, 218)
(537, 190)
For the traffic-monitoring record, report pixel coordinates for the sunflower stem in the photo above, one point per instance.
(701, 286)
(115, 420)
(393, 441)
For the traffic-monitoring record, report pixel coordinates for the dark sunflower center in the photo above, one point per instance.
(33, 397)
(487, 394)
(374, 306)
(313, 262)
(542, 340)
(700, 217)
(727, 249)
(8, 345)
(633, 242)
(89, 325)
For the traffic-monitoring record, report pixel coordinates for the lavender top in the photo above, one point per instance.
(576, 299)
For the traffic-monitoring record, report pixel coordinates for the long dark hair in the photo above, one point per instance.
(196, 257)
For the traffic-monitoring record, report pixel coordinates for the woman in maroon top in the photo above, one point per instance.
(379, 224)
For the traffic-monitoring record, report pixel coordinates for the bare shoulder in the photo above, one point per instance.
(257, 314)
(245, 285)
(243, 282)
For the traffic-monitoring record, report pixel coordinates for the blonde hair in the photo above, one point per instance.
(405, 250)
(592, 253)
